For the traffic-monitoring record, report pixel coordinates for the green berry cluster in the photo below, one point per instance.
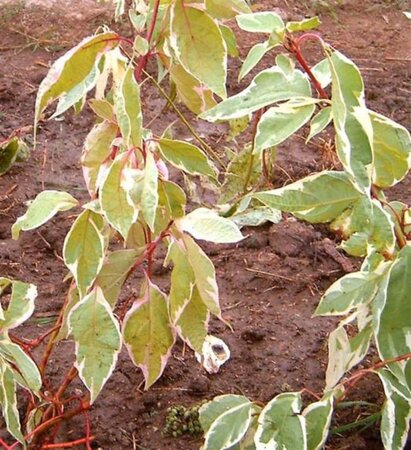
(181, 420)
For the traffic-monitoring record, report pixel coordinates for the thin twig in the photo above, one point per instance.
(204, 144)
(230, 307)
(71, 444)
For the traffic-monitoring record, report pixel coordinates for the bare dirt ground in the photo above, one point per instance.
(270, 283)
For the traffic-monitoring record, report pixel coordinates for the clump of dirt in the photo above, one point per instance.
(270, 283)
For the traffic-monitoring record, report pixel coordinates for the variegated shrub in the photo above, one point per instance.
(134, 202)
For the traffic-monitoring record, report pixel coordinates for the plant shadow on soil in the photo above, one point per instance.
(270, 283)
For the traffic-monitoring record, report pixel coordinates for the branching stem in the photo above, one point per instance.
(294, 47)
(50, 343)
(356, 377)
(257, 118)
(71, 444)
(201, 141)
(143, 60)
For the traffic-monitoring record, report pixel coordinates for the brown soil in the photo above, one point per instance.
(270, 283)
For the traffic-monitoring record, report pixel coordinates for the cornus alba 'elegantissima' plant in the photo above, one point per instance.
(132, 200)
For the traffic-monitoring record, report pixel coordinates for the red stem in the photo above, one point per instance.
(88, 430)
(309, 37)
(310, 392)
(40, 339)
(356, 376)
(71, 444)
(50, 343)
(294, 47)
(143, 60)
(4, 444)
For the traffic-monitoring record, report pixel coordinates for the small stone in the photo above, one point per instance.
(149, 400)
(256, 241)
(252, 335)
(199, 386)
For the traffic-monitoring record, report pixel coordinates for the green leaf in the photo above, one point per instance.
(230, 40)
(237, 126)
(303, 25)
(72, 69)
(73, 297)
(33, 420)
(138, 20)
(192, 324)
(97, 149)
(276, 38)
(114, 272)
(148, 333)
(352, 122)
(76, 96)
(356, 244)
(204, 272)
(41, 209)
(115, 197)
(21, 304)
(367, 226)
(83, 249)
(186, 156)
(316, 198)
(247, 443)
(254, 56)
(269, 86)
(280, 122)
(322, 71)
(260, 22)
(345, 352)
(12, 150)
(136, 238)
(176, 198)
(191, 91)
(127, 107)
(392, 316)
(210, 411)
(120, 6)
(396, 413)
(348, 292)
(171, 205)
(281, 425)
(256, 216)
(141, 45)
(182, 280)
(237, 175)
(149, 194)
(24, 368)
(319, 122)
(98, 340)
(285, 63)
(103, 109)
(227, 9)
(206, 224)
(225, 421)
(199, 46)
(317, 421)
(8, 402)
(392, 151)
(78, 107)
